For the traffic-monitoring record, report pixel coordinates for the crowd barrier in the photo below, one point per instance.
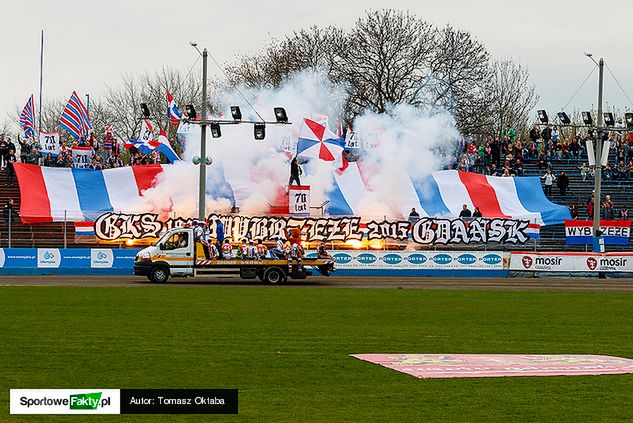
(421, 263)
(71, 261)
(85, 261)
(106, 261)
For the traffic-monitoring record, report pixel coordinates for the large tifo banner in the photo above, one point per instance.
(426, 231)
(614, 232)
(58, 194)
(571, 262)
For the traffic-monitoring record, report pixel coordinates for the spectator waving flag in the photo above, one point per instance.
(74, 118)
(173, 112)
(27, 119)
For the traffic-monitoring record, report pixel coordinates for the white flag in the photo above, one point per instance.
(49, 143)
(299, 199)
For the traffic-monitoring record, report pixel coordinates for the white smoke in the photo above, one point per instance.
(404, 144)
(404, 141)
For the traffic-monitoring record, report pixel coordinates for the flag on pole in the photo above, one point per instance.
(145, 142)
(339, 128)
(173, 113)
(164, 147)
(74, 118)
(27, 119)
(317, 141)
(147, 131)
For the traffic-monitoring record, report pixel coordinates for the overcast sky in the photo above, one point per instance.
(92, 43)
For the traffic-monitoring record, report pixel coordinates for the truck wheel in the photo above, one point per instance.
(159, 275)
(274, 275)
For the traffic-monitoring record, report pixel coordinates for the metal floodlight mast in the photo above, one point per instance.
(203, 140)
(597, 199)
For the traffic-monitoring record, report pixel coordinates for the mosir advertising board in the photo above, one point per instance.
(571, 262)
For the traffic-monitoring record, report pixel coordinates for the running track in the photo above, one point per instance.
(510, 284)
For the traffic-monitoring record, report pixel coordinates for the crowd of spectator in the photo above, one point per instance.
(543, 146)
(106, 156)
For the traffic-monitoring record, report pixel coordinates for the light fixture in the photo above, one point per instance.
(191, 111)
(260, 130)
(586, 118)
(608, 119)
(542, 115)
(208, 160)
(564, 119)
(196, 160)
(628, 117)
(280, 115)
(236, 113)
(215, 130)
(145, 110)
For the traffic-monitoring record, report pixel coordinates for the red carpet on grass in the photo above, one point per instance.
(497, 365)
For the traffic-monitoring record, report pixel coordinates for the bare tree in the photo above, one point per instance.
(315, 48)
(388, 57)
(388, 61)
(510, 96)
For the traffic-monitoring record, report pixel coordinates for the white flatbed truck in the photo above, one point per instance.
(176, 254)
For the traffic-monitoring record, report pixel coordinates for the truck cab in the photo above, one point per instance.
(177, 254)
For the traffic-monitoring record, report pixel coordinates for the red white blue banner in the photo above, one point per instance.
(580, 232)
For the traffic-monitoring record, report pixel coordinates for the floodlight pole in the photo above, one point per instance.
(203, 141)
(597, 199)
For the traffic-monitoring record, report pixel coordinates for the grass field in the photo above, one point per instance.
(287, 349)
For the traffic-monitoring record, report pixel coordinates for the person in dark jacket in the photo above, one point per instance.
(477, 212)
(465, 212)
(295, 172)
(219, 236)
(607, 212)
(563, 183)
(10, 170)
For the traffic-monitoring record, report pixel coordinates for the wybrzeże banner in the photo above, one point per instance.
(614, 232)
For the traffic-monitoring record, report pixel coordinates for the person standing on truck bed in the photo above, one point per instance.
(219, 235)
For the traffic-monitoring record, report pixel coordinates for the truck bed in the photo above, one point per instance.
(238, 263)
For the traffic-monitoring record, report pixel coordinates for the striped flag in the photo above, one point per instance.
(27, 119)
(173, 112)
(74, 118)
